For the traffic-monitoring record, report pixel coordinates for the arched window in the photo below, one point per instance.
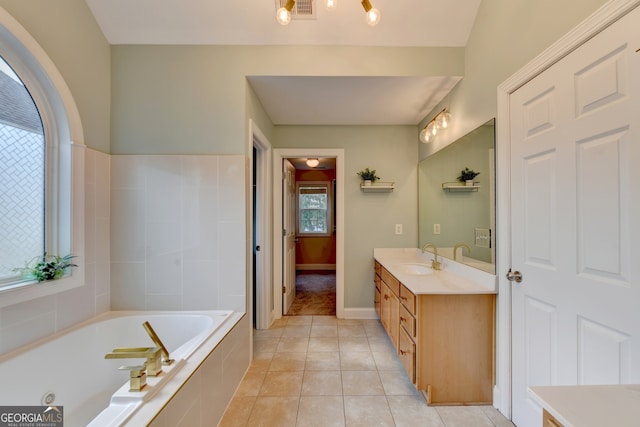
(22, 176)
(41, 167)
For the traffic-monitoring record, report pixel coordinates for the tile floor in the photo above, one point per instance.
(322, 371)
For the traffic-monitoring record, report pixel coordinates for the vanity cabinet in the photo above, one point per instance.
(445, 342)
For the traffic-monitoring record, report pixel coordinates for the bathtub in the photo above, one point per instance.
(68, 369)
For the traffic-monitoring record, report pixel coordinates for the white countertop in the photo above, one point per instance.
(591, 405)
(454, 278)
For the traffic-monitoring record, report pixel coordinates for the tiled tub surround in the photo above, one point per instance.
(28, 321)
(95, 392)
(323, 371)
(178, 232)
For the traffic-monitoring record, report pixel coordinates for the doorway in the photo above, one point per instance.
(315, 276)
(310, 238)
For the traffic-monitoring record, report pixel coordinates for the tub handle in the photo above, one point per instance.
(158, 342)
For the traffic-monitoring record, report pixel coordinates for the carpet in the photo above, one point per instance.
(315, 294)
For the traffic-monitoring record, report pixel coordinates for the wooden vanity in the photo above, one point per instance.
(443, 328)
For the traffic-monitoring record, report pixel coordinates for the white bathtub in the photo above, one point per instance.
(71, 365)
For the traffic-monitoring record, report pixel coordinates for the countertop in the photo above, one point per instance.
(454, 278)
(591, 405)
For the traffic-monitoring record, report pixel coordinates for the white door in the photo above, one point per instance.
(288, 235)
(575, 144)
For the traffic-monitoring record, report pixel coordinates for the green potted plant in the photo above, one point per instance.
(467, 175)
(46, 267)
(368, 176)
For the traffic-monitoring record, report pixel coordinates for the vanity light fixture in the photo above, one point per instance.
(312, 163)
(373, 14)
(440, 121)
(331, 4)
(283, 14)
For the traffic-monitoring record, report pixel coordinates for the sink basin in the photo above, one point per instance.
(415, 268)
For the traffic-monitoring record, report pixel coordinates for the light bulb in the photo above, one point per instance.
(331, 4)
(312, 163)
(283, 16)
(373, 16)
(425, 136)
(443, 120)
(431, 128)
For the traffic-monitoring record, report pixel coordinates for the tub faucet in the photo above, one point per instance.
(153, 363)
(435, 264)
(460, 245)
(156, 340)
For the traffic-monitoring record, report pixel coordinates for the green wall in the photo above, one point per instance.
(70, 36)
(507, 34)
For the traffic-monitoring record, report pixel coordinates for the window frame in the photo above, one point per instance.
(329, 187)
(64, 145)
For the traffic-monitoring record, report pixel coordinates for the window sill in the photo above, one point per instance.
(34, 290)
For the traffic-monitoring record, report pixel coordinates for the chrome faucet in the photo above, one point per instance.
(435, 265)
(460, 245)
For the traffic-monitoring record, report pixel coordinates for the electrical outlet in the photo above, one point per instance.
(436, 228)
(398, 228)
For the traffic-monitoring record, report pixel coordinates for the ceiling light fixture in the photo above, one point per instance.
(440, 121)
(312, 163)
(332, 4)
(373, 14)
(283, 14)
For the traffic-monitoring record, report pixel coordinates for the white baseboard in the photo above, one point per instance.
(360, 313)
(316, 267)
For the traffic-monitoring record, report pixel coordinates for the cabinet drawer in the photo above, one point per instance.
(408, 299)
(407, 321)
(391, 281)
(407, 353)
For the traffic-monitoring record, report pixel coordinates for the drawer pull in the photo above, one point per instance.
(402, 319)
(402, 352)
(403, 298)
(386, 296)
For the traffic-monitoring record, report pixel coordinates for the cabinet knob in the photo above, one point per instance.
(386, 296)
(402, 319)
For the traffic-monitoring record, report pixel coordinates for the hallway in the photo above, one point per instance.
(315, 293)
(322, 371)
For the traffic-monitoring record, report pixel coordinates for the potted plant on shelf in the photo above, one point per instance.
(368, 176)
(46, 267)
(467, 175)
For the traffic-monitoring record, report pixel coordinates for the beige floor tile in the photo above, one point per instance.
(357, 361)
(463, 416)
(265, 345)
(267, 333)
(349, 322)
(367, 411)
(261, 362)
(279, 323)
(387, 361)
(298, 320)
(251, 383)
(496, 417)
(354, 344)
(296, 330)
(323, 344)
(282, 384)
(324, 330)
(396, 383)
(382, 343)
(292, 345)
(325, 320)
(274, 411)
(361, 383)
(325, 411)
(412, 411)
(323, 361)
(238, 412)
(351, 331)
(322, 383)
(285, 361)
(374, 329)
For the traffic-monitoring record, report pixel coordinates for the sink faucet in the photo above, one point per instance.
(460, 245)
(435, 265)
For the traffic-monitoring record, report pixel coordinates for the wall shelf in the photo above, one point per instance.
(452, 186)
(379, 187)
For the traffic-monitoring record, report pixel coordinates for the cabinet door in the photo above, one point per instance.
(407, 353)
(389, 307)
(376, 295)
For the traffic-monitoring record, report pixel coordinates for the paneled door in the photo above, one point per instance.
(575, 210)
(289, 207)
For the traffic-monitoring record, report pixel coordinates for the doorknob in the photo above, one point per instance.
(514, 276)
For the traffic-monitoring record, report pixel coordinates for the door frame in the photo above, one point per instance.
(283, 153)
(598, 21)
(261, 299)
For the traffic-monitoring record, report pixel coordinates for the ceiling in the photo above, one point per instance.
(310, 100)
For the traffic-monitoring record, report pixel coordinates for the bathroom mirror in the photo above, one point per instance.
(451, 213)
